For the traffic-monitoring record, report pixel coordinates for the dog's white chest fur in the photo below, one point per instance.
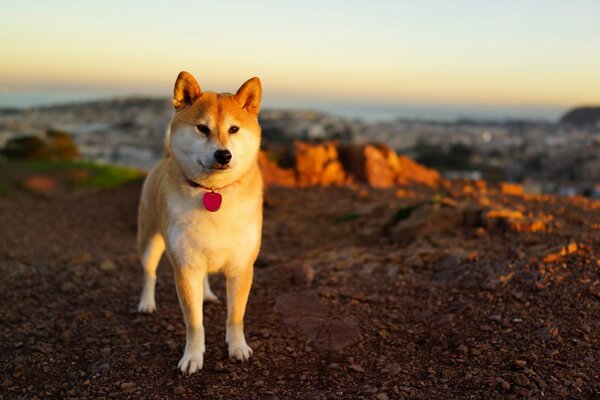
(214, 240)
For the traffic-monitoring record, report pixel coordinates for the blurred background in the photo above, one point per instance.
(431, 213)
(501, 90)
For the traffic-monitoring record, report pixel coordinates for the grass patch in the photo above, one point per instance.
(77, 174)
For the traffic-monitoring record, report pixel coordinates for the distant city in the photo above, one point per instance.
(544, 154)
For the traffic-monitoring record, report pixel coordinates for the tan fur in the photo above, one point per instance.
(172, 216)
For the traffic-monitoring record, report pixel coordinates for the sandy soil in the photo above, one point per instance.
(440, 304)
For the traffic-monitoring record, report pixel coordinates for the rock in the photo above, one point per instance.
(100, 367)
(303, 275)
(520, 363)
(293, 305)
(81, 258)
(319, 165)
(505, 385)
(357, 368)
(520, 379)
(378, 171)
(68, 287)
(382, 396)
(127, 385)
(306, 311)
(393, 369)
(564, 251)
(272, 174)
(41, 184)
(512, 189)
(546, 333)
(380, 167)
(179, 390)
(108, 266)
(328, 333)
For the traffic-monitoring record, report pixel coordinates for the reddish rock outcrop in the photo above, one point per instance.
(328, 163)
(319, 165)
(274, 175)
(380, 166)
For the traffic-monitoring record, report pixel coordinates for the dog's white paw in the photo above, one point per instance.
(240, 352)
(191, 363)
(211, 297)
(147, 305)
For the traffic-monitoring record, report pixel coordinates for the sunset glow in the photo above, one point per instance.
(497, 53)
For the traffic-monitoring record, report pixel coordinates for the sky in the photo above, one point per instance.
(511, 53)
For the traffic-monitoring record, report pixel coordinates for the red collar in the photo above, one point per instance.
(193, 184)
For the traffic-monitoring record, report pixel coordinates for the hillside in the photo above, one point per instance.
(464, 290)
(582, 116)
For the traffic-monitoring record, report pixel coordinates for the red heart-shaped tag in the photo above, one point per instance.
(212, 201)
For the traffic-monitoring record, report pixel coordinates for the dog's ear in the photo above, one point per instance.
(186, 90)
(249, 95)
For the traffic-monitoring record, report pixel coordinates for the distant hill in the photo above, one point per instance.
(582, 116)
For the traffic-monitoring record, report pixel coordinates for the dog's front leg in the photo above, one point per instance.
(238, 289)
(189, 283)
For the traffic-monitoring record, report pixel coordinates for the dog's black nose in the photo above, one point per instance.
(223, 156)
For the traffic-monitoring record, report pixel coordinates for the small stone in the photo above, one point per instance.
(520, 379)
(357, 368)
(127, 385)
(179, 390)
(219, 366)
(394, 369)
(68, 287)
(505, 385)
(304, 275)
(82, 258)
(463, 349)
(100, 367)
(495, 318)
(369, 268)
(520, 363)
(7, 383)
(108, 266)
(382, 396)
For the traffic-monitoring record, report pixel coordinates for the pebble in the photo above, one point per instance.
(108, 266)
(505, 385)
(394, 368)
(520, 363)
(520, 379)
(179, 390)
(67, 287)
(303, 275)
(127, 385)
(357, 368)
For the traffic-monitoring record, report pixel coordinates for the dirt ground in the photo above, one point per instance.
(436, 301)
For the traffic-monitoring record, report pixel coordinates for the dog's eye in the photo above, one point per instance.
(203, 129)
(233, 129)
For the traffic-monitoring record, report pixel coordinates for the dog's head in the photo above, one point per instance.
(214, 137)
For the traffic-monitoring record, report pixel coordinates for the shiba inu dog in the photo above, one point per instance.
(203, 205)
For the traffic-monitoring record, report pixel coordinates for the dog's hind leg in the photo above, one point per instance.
(150, 252)
(208, 293)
